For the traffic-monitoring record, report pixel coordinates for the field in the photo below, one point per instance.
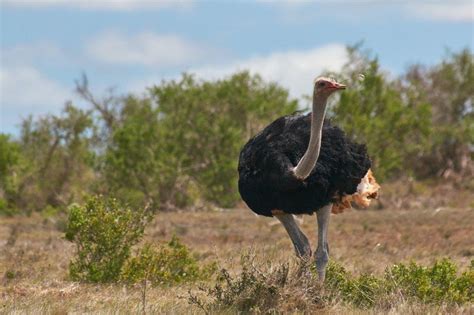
(34, 254)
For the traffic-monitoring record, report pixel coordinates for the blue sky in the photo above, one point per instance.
(131, 44)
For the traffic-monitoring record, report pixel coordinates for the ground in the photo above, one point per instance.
(34, 254)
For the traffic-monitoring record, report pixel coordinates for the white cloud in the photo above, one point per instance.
(452, 10)
(102, 4)
(24, 89)
(294, 70)
(147, 49)
(42, 51)
(456, 11)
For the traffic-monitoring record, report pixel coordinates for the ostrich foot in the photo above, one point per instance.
(322, 259)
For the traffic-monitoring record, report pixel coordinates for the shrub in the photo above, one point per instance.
(104, 232)
(439, 283)
(362, 291)
(5, 209)
(435, 284)
(171, 263)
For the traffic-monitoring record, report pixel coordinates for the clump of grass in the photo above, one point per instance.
(171, 263)
(280, 288)
(293, 288)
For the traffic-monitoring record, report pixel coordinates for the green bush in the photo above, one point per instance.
(104, 232)
(5, 208)
(439, 283)
(172, 263)
(362, 291)
(436, 284)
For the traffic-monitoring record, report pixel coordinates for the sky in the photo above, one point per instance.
(132, 44)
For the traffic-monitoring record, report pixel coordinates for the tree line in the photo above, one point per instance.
(177, 145)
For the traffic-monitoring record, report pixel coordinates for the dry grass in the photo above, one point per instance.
(34, 256)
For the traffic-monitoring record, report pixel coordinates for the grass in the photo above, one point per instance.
(286, 288)
(34, 258)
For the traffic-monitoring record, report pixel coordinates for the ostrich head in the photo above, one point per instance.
(326, 86)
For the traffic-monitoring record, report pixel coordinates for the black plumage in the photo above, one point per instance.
(266, 179)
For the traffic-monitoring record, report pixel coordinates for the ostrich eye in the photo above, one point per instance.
(322, 84)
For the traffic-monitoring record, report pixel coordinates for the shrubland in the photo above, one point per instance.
(103, 173)
(415, 259)
(105, 231)
(176, 146)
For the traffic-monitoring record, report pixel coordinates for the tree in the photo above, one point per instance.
(181, 142)
(58, 151)
(449, 89)
(373, 111)
(10, 165)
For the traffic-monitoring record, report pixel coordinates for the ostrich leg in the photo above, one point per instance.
(322, 252)
(299, 240)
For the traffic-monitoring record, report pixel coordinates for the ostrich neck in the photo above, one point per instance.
(309, 159)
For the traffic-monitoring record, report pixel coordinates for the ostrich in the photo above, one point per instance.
(301, 164)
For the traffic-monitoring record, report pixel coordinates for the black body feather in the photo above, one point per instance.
(266, 180)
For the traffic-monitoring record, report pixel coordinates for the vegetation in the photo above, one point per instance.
(177, 145)
(104, 233)
(283, 288)
(181, 142)
(50, 164)
(169, 264)
(9, 160)
(374, 111)
(35, 260)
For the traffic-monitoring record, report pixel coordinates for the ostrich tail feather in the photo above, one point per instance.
(367, 190)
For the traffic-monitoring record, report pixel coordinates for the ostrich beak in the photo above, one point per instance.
(338, 86)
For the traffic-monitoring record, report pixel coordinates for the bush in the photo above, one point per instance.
(172, 263)
(362, 291)
(104, 232)
(436, 284)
